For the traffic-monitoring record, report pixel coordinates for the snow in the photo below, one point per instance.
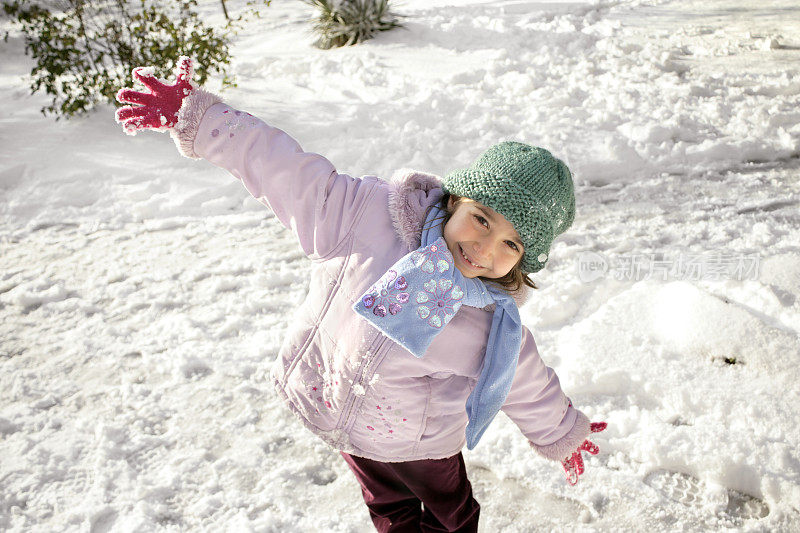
(144, 296)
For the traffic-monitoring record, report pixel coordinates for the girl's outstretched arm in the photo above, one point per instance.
(303, 189)
(545, 415)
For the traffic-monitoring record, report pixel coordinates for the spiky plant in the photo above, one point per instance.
(347, 22)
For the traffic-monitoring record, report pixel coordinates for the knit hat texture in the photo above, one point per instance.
(528, 186)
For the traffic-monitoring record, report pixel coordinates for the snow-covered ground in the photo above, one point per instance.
(144, 296)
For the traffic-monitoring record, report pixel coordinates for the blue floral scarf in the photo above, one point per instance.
(416, 298)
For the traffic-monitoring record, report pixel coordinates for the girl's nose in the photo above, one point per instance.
(480, 249)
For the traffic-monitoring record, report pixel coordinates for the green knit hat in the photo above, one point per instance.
(528, 186)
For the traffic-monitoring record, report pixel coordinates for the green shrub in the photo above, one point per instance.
(347, 22)
(84, 50)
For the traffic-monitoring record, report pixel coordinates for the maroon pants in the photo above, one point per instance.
(427, 495)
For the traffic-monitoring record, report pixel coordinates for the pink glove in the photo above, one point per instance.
(573, 465)
(157, 109)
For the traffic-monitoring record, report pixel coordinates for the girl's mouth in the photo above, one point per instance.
(464, 256)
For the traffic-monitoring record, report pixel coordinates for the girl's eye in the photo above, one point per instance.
(482, 221)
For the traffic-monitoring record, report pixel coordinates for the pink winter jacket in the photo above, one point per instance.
(351, 385)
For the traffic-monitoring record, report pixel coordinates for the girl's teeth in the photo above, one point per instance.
(467, 259)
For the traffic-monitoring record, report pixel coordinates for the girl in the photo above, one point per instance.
(409, 341)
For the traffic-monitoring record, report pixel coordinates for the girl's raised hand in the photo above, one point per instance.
(573, 465)
(158, 108)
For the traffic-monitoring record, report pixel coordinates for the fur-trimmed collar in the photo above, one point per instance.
(410, 195)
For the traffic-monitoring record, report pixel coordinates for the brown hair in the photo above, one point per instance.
(511, 282)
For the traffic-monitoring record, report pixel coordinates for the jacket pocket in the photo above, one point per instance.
(425, 415)
(316, 389)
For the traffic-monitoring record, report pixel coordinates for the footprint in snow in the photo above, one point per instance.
(689, 491)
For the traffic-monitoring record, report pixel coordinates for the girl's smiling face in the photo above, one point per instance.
(482, 241)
